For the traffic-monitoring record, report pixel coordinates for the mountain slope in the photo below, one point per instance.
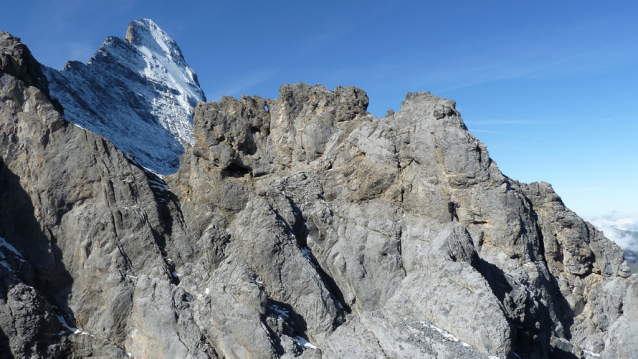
(138, 92)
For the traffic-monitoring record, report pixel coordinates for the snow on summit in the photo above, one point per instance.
(138, 92)
(165, 65)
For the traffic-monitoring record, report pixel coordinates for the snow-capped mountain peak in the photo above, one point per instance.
(161, 52)
(138, 92)
(145, 33)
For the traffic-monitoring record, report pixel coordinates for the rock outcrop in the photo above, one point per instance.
(371, 196)
(138, 92)
(296, 227)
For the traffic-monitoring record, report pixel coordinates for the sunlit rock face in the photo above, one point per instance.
(138, 92)
(295, 227)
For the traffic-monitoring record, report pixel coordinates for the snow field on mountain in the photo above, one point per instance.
(139, 93)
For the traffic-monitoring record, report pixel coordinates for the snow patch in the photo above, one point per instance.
(153, 172)
(304, 343)
(161, 186)
(281, 312)
(256, 281)
(306, 253)
(591, 353)
(70, 328)
(445, 334)
(5, 244)
(6, 265)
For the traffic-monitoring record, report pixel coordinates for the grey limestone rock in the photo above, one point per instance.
(365, 201)
(451, 293)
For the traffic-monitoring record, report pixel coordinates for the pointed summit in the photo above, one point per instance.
(138, 92)
(145, 33)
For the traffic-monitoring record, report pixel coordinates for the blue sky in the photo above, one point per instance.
(550, 87)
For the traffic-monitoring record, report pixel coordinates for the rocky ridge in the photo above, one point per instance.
(296, 227)
(138, 92)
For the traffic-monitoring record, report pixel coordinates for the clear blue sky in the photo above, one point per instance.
(551, 87)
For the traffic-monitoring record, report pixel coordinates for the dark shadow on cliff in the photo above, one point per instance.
(301, 231)
(495, 277)
(168, 208)
(528, 314)
(561, 305)
(558, 353)
(288, 322)
(45, 270)
(4, 346)
(529, 342)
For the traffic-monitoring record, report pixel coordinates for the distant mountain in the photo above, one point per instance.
(138, 92)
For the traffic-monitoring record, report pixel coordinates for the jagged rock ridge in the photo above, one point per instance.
(296, 227)
(138, 92)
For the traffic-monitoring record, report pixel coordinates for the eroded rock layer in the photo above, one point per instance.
(296, 227)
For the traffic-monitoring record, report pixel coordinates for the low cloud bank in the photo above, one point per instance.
(622, 230)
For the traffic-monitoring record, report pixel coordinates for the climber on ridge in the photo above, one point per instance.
(451, 207)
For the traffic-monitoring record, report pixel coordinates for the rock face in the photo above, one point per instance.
(138, 92)
(626, 238)
(296, 227)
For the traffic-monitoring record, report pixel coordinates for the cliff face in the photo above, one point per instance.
(79, 224)
(296, 227)
(138, 92)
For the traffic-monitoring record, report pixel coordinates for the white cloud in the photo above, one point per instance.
(623, 231)
(621, 223)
